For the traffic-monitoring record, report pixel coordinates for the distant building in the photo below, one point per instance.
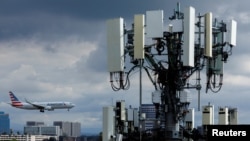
(71, 129)
(34, 123)
(26, 137)
(75, 129)
(42, 130)
(59, 128)
(4, 123)
(39, 128)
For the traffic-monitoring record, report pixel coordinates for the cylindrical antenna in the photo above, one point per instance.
(178, 10)
(178, 7)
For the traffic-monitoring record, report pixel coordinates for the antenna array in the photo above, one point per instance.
(187, 44)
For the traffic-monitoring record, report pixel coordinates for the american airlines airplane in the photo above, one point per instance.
(50, 106)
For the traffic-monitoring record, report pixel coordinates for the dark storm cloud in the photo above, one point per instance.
(94, 9)
(59, 18)
(48, 20)
(100, 10)
(56, 19)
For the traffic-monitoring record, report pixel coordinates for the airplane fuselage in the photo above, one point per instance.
(47, 105)
(50, 106)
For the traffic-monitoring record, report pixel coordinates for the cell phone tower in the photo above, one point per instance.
(180, 50)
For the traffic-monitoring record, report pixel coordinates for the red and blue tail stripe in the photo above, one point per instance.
(14, 100)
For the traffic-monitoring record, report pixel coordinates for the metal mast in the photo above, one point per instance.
(189, 44)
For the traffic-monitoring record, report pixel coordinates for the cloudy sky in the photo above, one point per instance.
(56, 51)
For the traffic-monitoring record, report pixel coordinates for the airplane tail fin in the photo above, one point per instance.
(14, 100)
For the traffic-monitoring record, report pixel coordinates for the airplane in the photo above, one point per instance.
(50, 106)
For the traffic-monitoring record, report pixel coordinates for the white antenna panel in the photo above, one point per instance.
(154, 24)
(190, 118)
(190, 115)
(115, 44)
(108, 123)
(189, 35)
(185, 97)
(232, 31)
(177, 26)
(208, 115)
(139, 37)
(208, 34)
(223, 116)
(156, 96)
(123, 111)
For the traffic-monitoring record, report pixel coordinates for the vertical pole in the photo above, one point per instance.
(199, 40)
(140, 99)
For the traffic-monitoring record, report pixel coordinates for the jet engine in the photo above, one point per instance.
(49, 108)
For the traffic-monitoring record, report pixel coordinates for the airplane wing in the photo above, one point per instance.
(35, 105)
(8, 103)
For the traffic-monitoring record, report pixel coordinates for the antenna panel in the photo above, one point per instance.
(232, 30)
(223, 116)
(115, 44)
(185, 97)
(139, 37)
(233, 116)
(208, 115)
(156, 97)
(208, 35)
(136, 118)
(219, 64)
(177, 25)
(108, 123)
(189, 35)
(154, 24)
(189, 119)
(130, 114)
(123, 111)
